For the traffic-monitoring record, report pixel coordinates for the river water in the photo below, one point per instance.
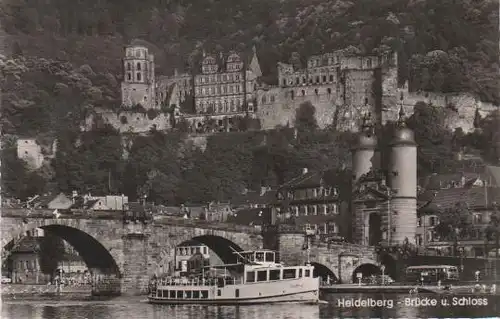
(391, 306)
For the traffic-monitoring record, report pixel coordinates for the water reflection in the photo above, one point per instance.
(135, 308)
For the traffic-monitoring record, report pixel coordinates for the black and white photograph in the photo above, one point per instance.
(231, 159)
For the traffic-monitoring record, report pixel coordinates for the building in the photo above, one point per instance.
(30, 151)
(138, 86)
(25, 262)
(384, 199)
(99, 203)
(310, 201)
(480, 196)
(50, 201)
(187, 256)
(254, 199)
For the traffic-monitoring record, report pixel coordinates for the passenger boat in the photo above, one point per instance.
(255, 278)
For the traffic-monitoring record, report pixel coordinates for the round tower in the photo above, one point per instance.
(403, 181)
(364, 150)
(138, 86)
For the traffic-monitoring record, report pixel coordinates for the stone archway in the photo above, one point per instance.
(367, 270)
(96, 257)
(324, 272)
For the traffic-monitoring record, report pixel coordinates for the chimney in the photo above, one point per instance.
(304, 170)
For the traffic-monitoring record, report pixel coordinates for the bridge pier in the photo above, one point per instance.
(135, 278)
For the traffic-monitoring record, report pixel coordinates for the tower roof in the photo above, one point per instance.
(366, 138)
(403, 135)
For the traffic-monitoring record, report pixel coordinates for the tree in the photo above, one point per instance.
(51, 253)
(454, 223)
(305, 117)
(492, 232)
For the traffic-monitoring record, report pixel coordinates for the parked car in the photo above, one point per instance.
(6, 280)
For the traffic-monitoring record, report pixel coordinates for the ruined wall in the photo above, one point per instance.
(133, 123)
(460, 107)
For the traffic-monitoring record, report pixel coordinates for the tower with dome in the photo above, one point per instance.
(384, 199)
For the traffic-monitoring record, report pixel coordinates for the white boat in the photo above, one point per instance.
(256, 278)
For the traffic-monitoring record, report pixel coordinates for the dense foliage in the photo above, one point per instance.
(66, 60)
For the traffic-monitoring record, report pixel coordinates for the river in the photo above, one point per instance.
(392, 306)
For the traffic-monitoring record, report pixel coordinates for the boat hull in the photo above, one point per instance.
(308, 297)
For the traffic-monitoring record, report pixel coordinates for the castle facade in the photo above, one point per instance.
(226, 88)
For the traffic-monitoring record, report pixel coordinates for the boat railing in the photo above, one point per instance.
(199, 282)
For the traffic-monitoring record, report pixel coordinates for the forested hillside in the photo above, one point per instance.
(66, 59)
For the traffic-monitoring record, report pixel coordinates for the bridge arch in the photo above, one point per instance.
(222, 247)
(98, 255)
(324, 272)
(367, 270)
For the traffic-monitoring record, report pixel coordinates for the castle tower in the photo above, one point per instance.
(403, 182)
(138, 86)
(364, 151)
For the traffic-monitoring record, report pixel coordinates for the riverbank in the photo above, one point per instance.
(27, 292)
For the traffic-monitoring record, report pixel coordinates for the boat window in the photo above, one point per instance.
(172, 294)
(289, 273)
(274, 274)
(262, 275)
(259, 256)
(196, 294)
(189, 294)
(300, 272)
(270, 257)
(219, 293)
(204, 294)
(180, 294)
(307, 273)
(250, 276)
(237, 293)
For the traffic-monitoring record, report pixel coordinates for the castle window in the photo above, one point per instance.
(317, 78)
(237, 77)
(225, 89)
(231, 77)
(303, 93)
(139, 77)
(369, 63)
(329, 90)
(292, 94)
(316, 91)
(304, 80)
(129, 76)
(324, 78)
(331, 77)
(224, 77)
(310, 80)
(264, 99)
(237, 89)
(128, 66)
(138, 66)
(272, 98)
(394, 173)
(297, 80)
(284, 82)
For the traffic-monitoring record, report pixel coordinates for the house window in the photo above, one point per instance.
(205, 250)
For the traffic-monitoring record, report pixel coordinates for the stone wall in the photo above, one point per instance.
(134, 122)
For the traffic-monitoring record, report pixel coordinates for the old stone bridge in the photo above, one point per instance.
(134, 250)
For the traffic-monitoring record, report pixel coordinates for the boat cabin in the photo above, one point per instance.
(261, 257)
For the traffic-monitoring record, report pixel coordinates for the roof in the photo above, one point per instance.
(255, 198)
(246, 56)
(475, 197)
(250, 216)
(305, 180)
(439, 181)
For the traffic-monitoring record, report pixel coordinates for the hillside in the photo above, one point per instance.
(65, 59)
(93, 33)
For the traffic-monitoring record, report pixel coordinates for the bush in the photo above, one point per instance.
(152, 114)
